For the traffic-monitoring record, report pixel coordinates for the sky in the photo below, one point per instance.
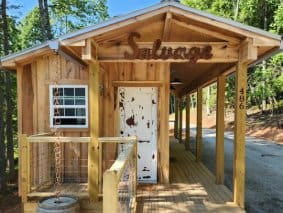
(115, 7)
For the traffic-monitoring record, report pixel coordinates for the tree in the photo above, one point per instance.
(8, 90)
(44, 19)
(2, 136)
(69, 15)
(30, 29)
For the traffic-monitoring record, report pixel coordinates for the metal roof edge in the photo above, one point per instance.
(22, 52)
(114, 20)
(225, 20)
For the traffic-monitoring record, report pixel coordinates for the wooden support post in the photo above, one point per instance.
(176, 117)
(239, 134)
(180, 126)
(20, 120)
(25, 171)
(110, 191)
(219, 158)
(199, 125)
(93, 149)
(188, 103)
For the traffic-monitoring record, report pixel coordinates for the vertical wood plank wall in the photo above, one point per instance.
(33, 99)
(34, 85)
(136, 72)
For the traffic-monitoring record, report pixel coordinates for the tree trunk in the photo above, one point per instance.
(9, 128)
(236, 10)
(3, 159)
(44, 17)
(2, 139)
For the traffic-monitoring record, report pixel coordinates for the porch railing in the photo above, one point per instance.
(38, 165)
(120, 180)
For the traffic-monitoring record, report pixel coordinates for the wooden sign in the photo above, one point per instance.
(157, 51)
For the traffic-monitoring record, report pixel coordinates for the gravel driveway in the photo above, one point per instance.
(264, 170)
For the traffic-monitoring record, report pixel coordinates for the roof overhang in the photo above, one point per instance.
(170, 21)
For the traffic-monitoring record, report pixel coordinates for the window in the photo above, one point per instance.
(68, 107)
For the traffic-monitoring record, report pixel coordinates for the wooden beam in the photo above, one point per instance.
(46, 139)
(93, 149)
(222, 52)
(199, 125)
(117, 139)
(207, 32)
(138, 83)
(239, 133)
(89, 51)
(219, 155)
(176, 123)
(20, 118)
(188, 103)
(81, 43)
(180, 126)
(247, 51)
(167, 27)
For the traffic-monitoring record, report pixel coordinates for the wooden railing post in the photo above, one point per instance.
(136, 167)
(93, 149)
(25, 167)
(110, 191)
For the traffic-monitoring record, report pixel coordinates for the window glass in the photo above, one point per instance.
(68, 106)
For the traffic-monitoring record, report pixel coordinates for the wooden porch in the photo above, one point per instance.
(192, 188)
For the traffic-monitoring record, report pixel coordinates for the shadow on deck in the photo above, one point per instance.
(192, 188)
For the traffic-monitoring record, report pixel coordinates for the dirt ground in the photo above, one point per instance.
(259, 125)
(10, 201)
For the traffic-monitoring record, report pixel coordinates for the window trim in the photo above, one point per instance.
(51, 107)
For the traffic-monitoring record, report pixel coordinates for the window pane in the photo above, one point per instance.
(80, 91)
(80, 112)
(57, 91)
(69, 101)
(72, 121)
(80, 101)
(68, 91)
(70, 112)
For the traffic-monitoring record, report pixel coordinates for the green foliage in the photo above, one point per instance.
(30, 29)
(265, 81)
(68, 15)
(277, 26)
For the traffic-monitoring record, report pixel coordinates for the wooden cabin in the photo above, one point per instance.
(92, 89)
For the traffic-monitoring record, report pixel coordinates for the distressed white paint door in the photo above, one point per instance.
(138, 116)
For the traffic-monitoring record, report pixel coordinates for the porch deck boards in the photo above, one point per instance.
(192, 188)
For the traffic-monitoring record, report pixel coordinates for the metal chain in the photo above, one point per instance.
(57, 132)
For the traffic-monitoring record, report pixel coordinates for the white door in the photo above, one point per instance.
(138, 117)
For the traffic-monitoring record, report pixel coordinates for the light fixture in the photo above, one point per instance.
(175, 81)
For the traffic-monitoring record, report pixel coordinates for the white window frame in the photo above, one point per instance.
(51, 106)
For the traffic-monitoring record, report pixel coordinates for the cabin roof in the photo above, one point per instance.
(122, 18)
(184, 24)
